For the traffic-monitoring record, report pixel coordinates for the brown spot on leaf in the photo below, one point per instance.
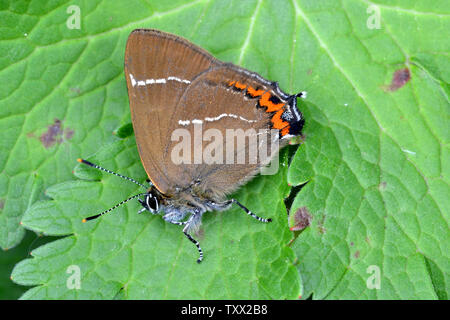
(75, 90)
(399, 79)
(320, 225)
(68, 134)
(302, 219)
(48, 138)
(357, 254)
(382, 186)
(55, 134)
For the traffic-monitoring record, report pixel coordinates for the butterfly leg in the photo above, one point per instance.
(197, 244)
(226, 205)
(178, 223)
(192, 224)
(249, 212)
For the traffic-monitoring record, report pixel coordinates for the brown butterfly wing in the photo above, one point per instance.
(158, 69)
(221, 98)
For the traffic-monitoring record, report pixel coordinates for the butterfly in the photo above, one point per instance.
(178, 90)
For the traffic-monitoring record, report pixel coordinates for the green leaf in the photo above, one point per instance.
(9, 258)
(376, 151)
(143, 257)
(8, 289)
(125, 131)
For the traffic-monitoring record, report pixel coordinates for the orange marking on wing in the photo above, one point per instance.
(231, 83)
(285, 131)
(265, 102)
(254, 92)
(279, 123)
(240, 85)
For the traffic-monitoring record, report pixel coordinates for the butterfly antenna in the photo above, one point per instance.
(302, 94)
(111, 172)
(111, 209)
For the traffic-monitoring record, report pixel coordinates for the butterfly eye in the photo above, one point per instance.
(151, 203)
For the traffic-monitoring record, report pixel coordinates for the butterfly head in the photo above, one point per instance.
(152, 200)
(293, 116)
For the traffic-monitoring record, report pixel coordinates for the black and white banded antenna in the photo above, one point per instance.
(118, 175)
(111, 172)
(111, 209)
